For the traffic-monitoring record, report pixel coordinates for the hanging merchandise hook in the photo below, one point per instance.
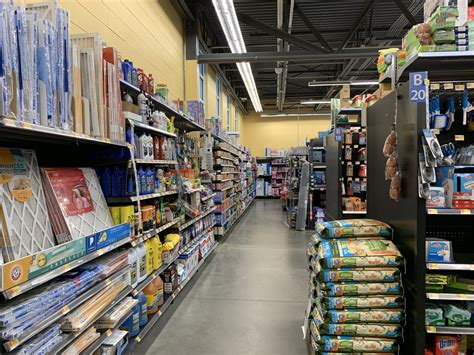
(450, 112)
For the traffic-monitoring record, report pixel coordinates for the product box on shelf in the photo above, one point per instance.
(169, 255)
(186, 262)
(28, 268)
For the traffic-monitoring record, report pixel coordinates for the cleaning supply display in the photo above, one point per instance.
(154, 295)
(143, 309)
(25, 226)
(355, 288)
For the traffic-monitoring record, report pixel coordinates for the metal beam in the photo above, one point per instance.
(368, 5)
(296, 56)
(313, 29)
(280, 34)
(406, 12)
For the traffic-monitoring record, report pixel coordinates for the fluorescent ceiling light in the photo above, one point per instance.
(294, 114)
(315, 102)
(340, 83)
(230, 25)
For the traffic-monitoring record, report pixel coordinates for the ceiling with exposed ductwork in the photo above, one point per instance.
(322, 28)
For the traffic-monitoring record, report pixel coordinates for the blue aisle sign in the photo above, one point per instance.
(338, 134)
(418, 86)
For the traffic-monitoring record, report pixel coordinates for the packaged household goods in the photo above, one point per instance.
(353, 228)
(110, 319)
(358, 253)
(362, 329)
(81, 343)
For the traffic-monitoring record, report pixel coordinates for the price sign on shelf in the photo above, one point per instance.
(418, 91)
(338, 134)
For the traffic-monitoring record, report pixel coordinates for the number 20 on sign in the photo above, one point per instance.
(418, 87)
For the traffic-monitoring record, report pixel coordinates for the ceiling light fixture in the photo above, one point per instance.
(295, 114)
(230, 25)
(315, 102)
(340, 83)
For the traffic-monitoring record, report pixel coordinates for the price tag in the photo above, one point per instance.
(433, 266)
(434, 86)
(67, 267)
(459, 137)
(461, 296)
(134, 292)
(100, 252)
(448, 86)
(459, 87)
(13, 343)
(25, 125)
(14, 291)
(65, 310)
(108, 332)
(160, 313)
(107, 282)
(436, 131)
(138, 339)
(469, 85)
(430, 329)
(432, 211)
(465, 211)
(433, 296)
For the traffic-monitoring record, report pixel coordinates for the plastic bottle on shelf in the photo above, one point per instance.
(157, 250)
(156, 147)
(149, 256)
(157, 181)
(132, 323)
(127, 75)
(128, 135)
(143, 319)
(105, 182)
(117, 183)
(130, 183)
(143, 107)
(133, 264)
(154, 294)
(150, 180)
(141, 250)
(142, 181)
(151, 84)
(149, 147)
(133, 75)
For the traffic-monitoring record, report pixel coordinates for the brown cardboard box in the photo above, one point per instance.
(345, 92)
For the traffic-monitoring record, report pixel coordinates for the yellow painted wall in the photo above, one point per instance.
(148, 32)
(280, 132)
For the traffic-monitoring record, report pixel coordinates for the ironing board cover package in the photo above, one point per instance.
(25, 228)
(353, 228)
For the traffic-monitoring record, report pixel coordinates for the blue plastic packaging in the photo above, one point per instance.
(117, 182)
(128, 135)
(143, 319)
(127, 75)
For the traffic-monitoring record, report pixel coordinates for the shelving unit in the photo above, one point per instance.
(271, 176)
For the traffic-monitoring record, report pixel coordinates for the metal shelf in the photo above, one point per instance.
(147, 235)
(451, 212)
(450, 296)
(351, 111)
(30, 284)
(149, 128)
(24, 131)
(126, 199)
(441, 65)
(73, 336)
(46, 322)
(96, 344)
(221, 139)
(200, 236)
(449, 330)
(226, 150)
(205, 198)
(153, 320)
(157, 162)
(181, 121)
(194, 220)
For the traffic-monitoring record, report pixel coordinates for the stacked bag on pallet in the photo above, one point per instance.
(356, 303)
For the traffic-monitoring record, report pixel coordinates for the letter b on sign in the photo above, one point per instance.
(418, 90)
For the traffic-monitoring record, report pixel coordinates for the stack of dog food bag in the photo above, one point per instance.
(356, 303)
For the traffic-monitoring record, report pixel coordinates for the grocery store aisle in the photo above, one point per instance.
(249, 298)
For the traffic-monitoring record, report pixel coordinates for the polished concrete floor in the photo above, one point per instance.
(248, 298)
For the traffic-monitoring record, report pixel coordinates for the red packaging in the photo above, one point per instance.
(446, 345)
(470, 13)
(156, 148)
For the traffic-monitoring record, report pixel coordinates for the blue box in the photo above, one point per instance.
(107, 237)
